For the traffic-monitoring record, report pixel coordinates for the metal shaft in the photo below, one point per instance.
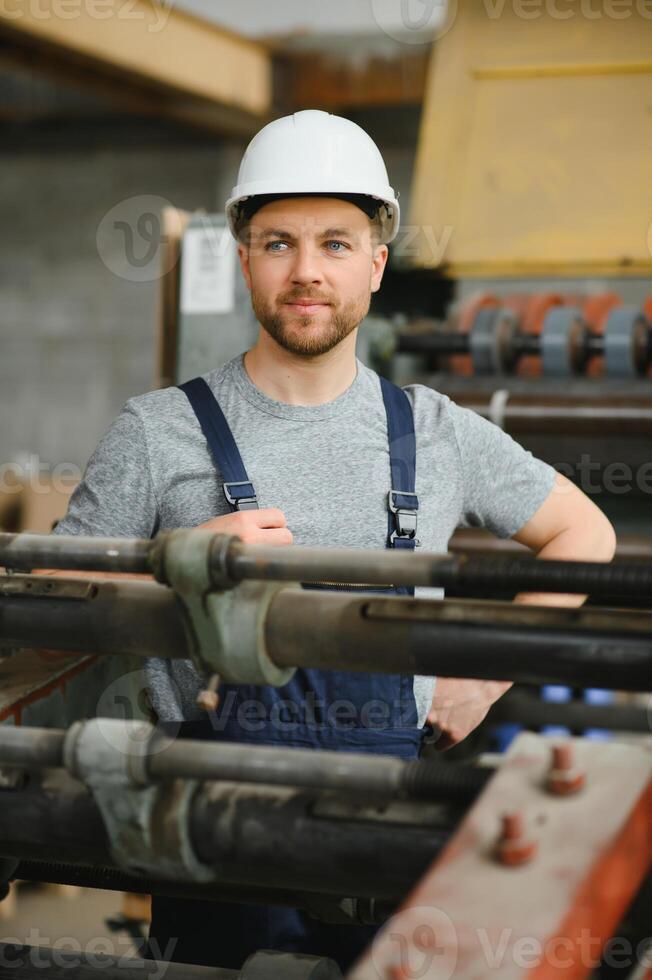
(358, 565)
(233, 561)
(353, 773)
(497, 641)
(337, 630)
(126, 617)
(28, 551)
(257, 836)
(532, 712)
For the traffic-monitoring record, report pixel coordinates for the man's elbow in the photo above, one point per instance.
(605, 539)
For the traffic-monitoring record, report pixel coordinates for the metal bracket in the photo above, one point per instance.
(41, 585)
(225, 628)
(147, 824)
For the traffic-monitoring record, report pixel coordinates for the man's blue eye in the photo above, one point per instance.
(270, 245)
(342, 244)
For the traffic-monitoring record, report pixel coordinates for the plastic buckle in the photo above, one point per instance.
(405, 518)
(240, 503)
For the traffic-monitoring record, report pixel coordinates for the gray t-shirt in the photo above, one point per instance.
(325, 466)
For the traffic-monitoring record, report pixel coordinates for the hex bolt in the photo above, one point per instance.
(564, 778)
(513, 846)
(396, 973)
(208, 699)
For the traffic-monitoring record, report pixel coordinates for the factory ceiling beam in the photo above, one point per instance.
(149, 54)
(338, 82)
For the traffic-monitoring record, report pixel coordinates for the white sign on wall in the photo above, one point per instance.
(208, 267)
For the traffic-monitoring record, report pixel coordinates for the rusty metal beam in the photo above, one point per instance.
(540, 900)
(332, 81)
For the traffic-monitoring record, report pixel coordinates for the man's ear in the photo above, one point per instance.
(243, 255)
(378, 263)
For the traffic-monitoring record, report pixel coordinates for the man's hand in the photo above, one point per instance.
(567, 527)
(266, 526)
(459, 705)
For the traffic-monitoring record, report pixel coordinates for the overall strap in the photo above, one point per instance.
(402, 501)
(238, 489)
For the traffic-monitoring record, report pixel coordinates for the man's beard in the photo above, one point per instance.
(301, 335)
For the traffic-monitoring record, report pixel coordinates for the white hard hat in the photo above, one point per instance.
(314, 152)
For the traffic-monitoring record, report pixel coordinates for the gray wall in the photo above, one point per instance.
(77, 338)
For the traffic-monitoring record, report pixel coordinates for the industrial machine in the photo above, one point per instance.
(509, 864)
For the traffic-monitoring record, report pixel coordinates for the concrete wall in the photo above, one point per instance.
(77, 321)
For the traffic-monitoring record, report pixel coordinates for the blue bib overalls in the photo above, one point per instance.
(336, 710)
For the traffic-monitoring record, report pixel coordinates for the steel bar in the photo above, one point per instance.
(462, 638)
(358, 565)
(53, 815)
(344, 772)
(27, 962)
(233, 561)
(28, 551)
(256, 836)
(532, 712)
(125, 617)
(630, 547)
(263, 835)
(349, 772)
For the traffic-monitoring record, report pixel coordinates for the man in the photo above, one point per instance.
(297, 442)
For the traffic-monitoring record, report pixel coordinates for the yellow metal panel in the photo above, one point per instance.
(153, 42)
(536, 143)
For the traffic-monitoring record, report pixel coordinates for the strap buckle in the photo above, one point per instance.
(242, 500)
(405, 518)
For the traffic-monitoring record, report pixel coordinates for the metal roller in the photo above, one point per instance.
(490, 340)
(561, 341)
(625, 341)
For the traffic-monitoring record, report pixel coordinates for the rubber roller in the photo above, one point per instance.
(491, 340)
(562, 342)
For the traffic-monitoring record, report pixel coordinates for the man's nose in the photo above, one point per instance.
(306, 267)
